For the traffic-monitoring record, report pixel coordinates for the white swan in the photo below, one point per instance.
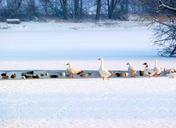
(104, 73)
(131, 70)
(73, 70)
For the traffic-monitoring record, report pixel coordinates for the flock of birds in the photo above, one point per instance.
(132, 72)
(103, 72)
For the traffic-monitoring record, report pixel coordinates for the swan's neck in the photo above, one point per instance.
(129, 65)
(156, 63)
(69, 66)
(102, 64)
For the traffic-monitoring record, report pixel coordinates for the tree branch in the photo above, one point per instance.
(162, 4)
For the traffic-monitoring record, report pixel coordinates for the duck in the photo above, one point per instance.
(13, 76)
(73, 71)
(131, 70)
(104, 73)
(54, 76)
(120, 74)
(4, 76)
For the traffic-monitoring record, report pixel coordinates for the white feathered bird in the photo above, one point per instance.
(73, 70)
(104, 73)
(156, 71)
(147, 70)
(131, 70)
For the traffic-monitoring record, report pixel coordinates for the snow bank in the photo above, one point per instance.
(89, 124)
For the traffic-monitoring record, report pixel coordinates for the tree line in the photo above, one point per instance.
(64, 9)
(78, 9)
(75, 9)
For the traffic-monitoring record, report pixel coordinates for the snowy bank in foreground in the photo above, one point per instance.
(90, 85)
(88, 124)
(90, 103)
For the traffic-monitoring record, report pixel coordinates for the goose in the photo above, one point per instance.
(73, 70)
(104, 73)
(131, 70)
(157, 70)
(148, 71)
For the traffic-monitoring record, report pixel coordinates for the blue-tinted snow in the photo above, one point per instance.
(69, 40)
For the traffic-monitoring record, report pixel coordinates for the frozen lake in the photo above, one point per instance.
(88, 106)
(45, 41)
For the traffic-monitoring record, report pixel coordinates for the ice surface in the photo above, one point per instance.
(76, 40)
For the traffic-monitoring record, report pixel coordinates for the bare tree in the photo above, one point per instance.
(162, 4)
(117, 8)
(64, 8)
(76, 9)
(13, 7)
(98, 9)
(32, 10)
(45, 5)
(111, 7)
(166, 32)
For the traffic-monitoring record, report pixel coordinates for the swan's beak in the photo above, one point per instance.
(67, 64)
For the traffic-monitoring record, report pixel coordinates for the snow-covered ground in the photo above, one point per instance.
(80, 103)
(91, 103)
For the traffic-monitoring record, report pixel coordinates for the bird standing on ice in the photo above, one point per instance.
(131, 70)
(147, 70)
(157, 70)
(104, 73)
(73, 71)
